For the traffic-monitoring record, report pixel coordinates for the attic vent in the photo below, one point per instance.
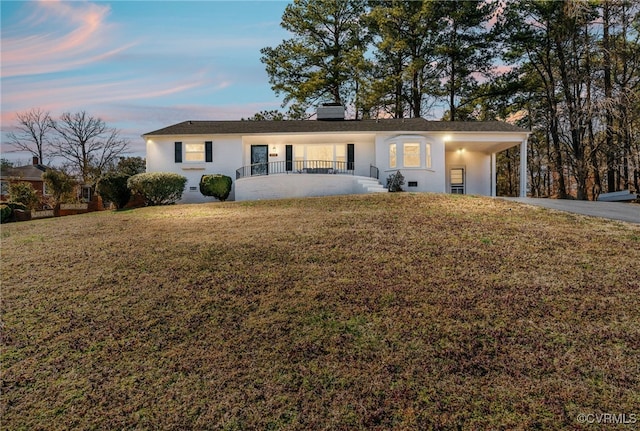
(330, 112)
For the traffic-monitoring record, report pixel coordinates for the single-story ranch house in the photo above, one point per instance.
(331, 155)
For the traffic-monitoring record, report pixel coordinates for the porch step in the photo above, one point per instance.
(371, 186)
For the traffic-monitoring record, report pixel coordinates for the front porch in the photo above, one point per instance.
(304, 178)
(330, 167)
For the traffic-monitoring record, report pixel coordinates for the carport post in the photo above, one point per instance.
(494, 174)
(523, 168)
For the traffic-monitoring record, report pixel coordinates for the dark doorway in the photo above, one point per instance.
(259, 160)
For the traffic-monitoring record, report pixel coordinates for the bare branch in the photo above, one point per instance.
(32, 133)
(88, 144)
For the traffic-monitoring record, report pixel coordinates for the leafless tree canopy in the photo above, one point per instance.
(87, 144)
(32, 133)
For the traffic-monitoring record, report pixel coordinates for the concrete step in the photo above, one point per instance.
(367, 181)
(370, 185)
(376, 190)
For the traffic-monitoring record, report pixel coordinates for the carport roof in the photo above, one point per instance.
(314, 126)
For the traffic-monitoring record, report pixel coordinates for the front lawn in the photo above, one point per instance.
(386, 311)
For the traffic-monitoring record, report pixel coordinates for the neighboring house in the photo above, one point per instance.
(274, 159)
(31, 174)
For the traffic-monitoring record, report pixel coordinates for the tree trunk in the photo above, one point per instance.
(606, 56)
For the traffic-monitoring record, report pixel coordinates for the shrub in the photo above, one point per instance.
(113, 187)
(16, 206)
(16, 211)
(217, 185)
(395, 182)
(158, 188)
(5, 213)
(60, 184)
(23, 192)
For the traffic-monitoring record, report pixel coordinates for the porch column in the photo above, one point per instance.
(523, 168)
(494, 174)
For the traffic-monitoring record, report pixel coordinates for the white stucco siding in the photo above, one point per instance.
(226, 152)
(295, 185)
(423, 178)
(477, 166)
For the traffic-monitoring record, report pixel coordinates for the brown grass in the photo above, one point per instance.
(393, 311)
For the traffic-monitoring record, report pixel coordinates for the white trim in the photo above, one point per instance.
(494, 175)
(523, 168)
(400, 141)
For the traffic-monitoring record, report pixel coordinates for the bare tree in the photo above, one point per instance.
(88, 144)
(32, 133)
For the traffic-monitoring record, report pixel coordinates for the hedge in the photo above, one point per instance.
(216, 185)
(158, 188)
(5, 213)
(113, 187)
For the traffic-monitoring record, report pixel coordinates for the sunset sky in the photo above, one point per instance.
(138, 65)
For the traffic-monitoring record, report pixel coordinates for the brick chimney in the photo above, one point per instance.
(35, 160)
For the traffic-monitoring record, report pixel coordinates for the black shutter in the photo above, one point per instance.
(350, 156)
(178, 152)
(208, 151)
(289, 157)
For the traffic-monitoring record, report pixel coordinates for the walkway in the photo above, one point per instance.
(611, 210)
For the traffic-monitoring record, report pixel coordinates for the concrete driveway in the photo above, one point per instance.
(622, 211)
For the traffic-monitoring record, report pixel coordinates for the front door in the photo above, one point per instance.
(456, 176)
(259, 160)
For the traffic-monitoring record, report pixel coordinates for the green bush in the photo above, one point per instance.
(15, 206)
(113, 187)
(12, 211)
(5, 213)
(23, 192)
(158, 188)
(395, 182)
(60, 185)
(217, 185)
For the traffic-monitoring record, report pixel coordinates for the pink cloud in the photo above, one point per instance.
(58, 36)
(66, 93)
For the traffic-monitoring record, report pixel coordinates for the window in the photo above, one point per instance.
(411, 155)
(320, 155)
(411, 149)
(457, 176)
(341, 155)
(86, 193)
(393, 162)
(194, 152)
(298, 157)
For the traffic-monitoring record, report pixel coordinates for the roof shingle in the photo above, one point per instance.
(310, 126)
(26, 173)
